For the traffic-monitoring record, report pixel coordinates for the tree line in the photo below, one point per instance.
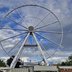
(68, 62)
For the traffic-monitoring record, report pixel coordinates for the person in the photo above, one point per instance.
(19, 62)
(9, 61)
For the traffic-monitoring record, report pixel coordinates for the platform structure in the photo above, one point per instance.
(32, 69)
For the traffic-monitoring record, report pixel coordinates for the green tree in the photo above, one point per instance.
(2, 64)
(68, 62)
(70, 58)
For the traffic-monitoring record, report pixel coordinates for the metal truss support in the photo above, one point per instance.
(21, 50)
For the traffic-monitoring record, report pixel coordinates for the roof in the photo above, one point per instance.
(4, 68)
(45, 68)
(65, 67)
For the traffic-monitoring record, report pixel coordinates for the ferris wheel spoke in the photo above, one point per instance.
(13, 29)
(46, 25)
(18, 23)
(3, 48)
(18, 13)
(13, 47)
(59, 45)
(41, 20)
(22, 17)
(44, 49)
(13, 36)
(53, 32)
(16, 44)
(52, 54)
(47, 52)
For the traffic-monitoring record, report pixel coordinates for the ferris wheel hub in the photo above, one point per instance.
(31, 29)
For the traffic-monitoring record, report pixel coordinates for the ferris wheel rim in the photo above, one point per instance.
(40, 7)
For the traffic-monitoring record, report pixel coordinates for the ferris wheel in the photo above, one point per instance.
(30, 30)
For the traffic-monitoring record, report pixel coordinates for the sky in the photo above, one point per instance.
(61, 8)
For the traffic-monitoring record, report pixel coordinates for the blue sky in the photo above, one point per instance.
(61, 8)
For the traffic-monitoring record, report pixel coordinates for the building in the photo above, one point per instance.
(65, 68)
(45, 69)
(40, 69)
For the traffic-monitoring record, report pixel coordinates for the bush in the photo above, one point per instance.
(2, 64)
(68, 62)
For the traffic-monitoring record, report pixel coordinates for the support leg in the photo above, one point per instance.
(39, 47)
(19, 53)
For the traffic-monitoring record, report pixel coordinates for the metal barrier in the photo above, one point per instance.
(24, 69)
(31, 69)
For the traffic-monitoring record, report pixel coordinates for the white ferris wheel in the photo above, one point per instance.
(31, 31)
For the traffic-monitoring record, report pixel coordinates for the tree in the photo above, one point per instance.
(63, 64)
(19, 62)
(2, 64)
(70, 58)
(68, 62)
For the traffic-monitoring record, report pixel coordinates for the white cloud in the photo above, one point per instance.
(56, 60)
(5, 33)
